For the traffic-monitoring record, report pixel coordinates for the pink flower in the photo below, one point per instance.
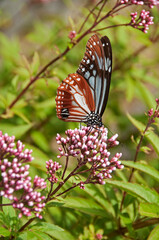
(52, 168)
(99, 236)
(15, 182)
(72, 34)
(91, 146)
(149, 3)
(143, 21)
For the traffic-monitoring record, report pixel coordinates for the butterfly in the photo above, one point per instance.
(82, 96)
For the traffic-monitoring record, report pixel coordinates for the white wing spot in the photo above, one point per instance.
(83, 69)
(94, 72)
(109, 69)
(87, 74)
(90, 52)
(94, 43)
(88, 61)
(103, 44)
(90, 46)
(78, 79)
(93, 57)
(91, 66)
(91, 81)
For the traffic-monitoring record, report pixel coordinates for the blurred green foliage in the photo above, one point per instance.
(134, 87)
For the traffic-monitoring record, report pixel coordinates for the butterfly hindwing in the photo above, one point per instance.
(71, 101)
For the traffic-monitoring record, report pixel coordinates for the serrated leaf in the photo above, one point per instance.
(4, 232)
(154, 234)
(144, 168)
(149, 210)
(17, 131)
(35, 63)
(137, 190)
(151, 136)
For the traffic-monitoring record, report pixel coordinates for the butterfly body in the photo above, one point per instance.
(82, 96)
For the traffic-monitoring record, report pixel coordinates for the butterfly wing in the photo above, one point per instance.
(96, 67)
(72, 101)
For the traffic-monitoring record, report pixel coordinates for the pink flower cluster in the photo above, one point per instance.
(149, 3)
(91, 146)
(15, 181)
(52, 168)
(143, 21)
(154, 113)
(8, 148)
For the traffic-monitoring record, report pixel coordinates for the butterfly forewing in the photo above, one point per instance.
(96, 67)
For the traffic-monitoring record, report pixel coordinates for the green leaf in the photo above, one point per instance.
(40, 158)
(151, 136)
(4, 232)
(40, 140)
(144, 168)
(99, 195)
(145, 149)
(154, 234)
(21, 115)
(136, 190)
(23, 73)
(35, 63)
(87, 206)
(146, 95)
(46, 227)
(128, 222)
(37, 235)
(149, 210)
(18, 131)
(129, 88)
(65, 235)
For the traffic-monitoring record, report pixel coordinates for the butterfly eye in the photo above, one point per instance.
(82, 96)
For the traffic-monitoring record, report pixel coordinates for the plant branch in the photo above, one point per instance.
(136, 225)
(26, 224)
(135, 158)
